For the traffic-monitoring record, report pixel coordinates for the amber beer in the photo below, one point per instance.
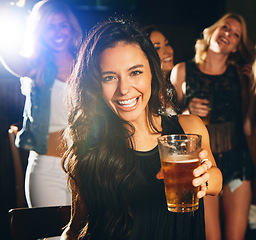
(181, 195)
(179, 157)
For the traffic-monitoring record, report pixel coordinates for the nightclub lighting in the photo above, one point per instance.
(12, 26)
(21, 3)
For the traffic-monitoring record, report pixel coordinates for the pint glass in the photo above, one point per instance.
(179, 157)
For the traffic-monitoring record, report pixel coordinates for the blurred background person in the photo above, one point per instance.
(163, 48)
(211, 84)
(166, 55)
(52, 38)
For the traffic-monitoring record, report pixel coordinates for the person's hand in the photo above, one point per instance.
(200, 173)
(160, 174)
(246, 70)
(199, 107)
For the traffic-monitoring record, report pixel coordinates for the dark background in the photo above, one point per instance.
(182, 21)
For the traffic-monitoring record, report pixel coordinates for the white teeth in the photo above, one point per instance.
(59, 40)
(128, 103)
(167, 59)
(224, 40)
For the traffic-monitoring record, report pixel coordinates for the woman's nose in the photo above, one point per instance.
(124, 85)
(227, 32)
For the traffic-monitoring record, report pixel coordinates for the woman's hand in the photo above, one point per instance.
(200, 173)
(246, 70)
(199, 107)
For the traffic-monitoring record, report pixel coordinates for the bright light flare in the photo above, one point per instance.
(12, 26)
(21, 3)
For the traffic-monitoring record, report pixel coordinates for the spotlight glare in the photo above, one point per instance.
(12, 29)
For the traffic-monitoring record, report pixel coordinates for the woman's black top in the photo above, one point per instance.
(152, 220)
(228, 142)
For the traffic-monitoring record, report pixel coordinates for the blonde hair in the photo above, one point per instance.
(245, 52)
(37, 21)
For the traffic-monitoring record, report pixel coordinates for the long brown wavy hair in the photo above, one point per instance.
(100, 160)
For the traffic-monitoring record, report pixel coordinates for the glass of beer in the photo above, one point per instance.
(179, 157)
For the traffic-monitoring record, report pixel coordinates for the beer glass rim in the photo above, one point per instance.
(180, 137)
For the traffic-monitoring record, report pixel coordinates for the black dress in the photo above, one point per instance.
(151, 218)
(228, 142)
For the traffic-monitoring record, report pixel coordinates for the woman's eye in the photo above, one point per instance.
(135, 73)
(157, 48)
(237, 35)
(64, 25)
(224, 26)
(108, 78)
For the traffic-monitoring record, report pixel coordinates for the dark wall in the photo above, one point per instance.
(181, 21)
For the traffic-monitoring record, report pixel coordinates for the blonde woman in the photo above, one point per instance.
(214, 73)
(52, 39)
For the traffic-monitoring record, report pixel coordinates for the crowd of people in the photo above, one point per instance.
(95, 108)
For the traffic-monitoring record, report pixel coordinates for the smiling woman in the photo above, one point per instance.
(166, 55)
(210, 86)
(163, 48)
(57, 33)
(114, 125)
(52, 39)
(126, 90)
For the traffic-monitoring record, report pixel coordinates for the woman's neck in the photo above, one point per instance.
(145, 138)
(63, 57)
(215, 63)
(65, 62)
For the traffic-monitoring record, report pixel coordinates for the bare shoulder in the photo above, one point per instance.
(178, 71)
(180, 66)
(192, 124)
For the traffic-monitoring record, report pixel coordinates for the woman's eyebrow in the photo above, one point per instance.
(136, 66)
(107, 72)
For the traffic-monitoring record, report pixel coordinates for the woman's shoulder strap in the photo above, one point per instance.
(171, 125)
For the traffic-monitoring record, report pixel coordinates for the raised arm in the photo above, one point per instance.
(14, 63)
(178, 80)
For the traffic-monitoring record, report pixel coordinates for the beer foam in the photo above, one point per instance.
(180, 159)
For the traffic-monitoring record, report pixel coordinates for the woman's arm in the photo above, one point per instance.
(16, 64)
(178, 80)
(196, 106)
(247, 78)
(208, 171)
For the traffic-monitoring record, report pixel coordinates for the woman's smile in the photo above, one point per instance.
(126, 83)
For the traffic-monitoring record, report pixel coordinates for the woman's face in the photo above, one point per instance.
(163, 49)
(58, 33)
(126, 81)
(226, 37)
